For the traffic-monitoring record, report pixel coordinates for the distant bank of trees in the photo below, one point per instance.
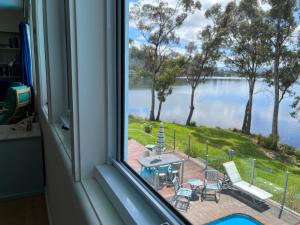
(252, 42)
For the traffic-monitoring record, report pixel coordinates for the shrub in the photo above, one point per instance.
(190, 152)
(266, 142)
(286, 149)
(147, 128)
(193, 124)
(293, 199)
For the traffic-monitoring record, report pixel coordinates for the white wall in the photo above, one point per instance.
(66, 198)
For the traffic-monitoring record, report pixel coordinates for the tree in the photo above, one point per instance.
(201, 64)
(288, 75)
(281, 25)
(170, 70)
(157, 23)
(247, 48)
(296, 108)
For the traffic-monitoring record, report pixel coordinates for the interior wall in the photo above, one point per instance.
(66, 200)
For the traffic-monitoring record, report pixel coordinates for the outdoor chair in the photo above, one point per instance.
(181, 193)
(258, 195)
(148, 174)
(175, 169)
(163, 173)
(212, 185)
(144, 155)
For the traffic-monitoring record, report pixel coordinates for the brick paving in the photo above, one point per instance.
(203, 212)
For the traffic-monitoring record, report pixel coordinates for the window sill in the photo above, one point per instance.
(45, 111)
(65, 138)
(103, 208)
(134, 204)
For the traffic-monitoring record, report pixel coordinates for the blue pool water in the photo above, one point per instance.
(236, 219)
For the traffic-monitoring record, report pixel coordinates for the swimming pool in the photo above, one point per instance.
(236, 219)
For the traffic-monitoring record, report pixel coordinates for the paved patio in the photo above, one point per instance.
(207, 211)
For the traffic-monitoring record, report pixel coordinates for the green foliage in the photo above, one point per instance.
(190, 152)
(157, 22)
(296, 108)
(148, 128)
(293, 199)
(288, 73)
(193, 124)
(171, 68)
(266, 142)
(287, 149)
(281, 25)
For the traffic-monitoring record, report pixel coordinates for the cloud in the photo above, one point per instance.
(192, 25)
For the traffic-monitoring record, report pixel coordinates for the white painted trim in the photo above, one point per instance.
(111, 81)
(133, 201)
(47, 67)
(71, 6)
(98, 198)
(48, 208)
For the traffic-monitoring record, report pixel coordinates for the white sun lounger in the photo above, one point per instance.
(238, 183)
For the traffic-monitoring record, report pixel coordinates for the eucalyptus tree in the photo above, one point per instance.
(281, 25)
(296, 108)
(202, 62)
(247, 48)
(288, 76)
(157, 22)
(164, 82)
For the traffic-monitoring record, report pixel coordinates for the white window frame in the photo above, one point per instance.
(118, 124)
(58, 83)
(39, 60)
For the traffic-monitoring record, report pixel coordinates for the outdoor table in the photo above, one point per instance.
(195, 186)
(160, 160)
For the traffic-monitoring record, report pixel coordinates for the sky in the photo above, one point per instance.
(190, 28)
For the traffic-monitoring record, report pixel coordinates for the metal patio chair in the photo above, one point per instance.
(181, 193)
(212, 185)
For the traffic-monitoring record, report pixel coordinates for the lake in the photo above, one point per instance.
(220, 103)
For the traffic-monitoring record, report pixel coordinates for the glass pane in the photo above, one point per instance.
(206, 127)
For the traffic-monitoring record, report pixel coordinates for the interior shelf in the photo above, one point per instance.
(9, 78)
(9, 49)
(9, 32)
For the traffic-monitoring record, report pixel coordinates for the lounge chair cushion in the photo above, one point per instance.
(252, 190)
(237, 182)
(232, 172)
(212, 186)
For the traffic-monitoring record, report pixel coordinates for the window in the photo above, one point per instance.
(57, 64)
(39, 47)
(207, 100)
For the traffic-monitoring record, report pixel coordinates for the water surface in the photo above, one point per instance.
(220, 103)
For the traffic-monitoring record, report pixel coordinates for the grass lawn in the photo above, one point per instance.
(270, 173)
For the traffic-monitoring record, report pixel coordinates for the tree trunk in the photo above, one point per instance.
(276, 102)
(192, 107)
(152, 116)
(245, 117)
(248, 111)
(159, 109)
